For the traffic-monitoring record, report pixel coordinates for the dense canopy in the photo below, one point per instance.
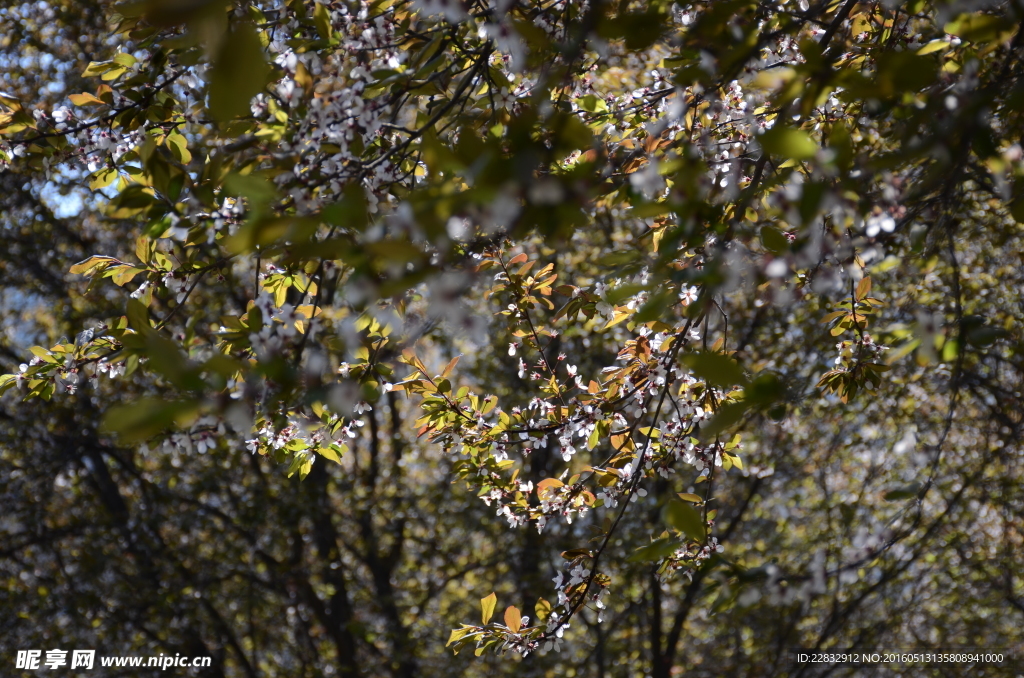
(573, 338)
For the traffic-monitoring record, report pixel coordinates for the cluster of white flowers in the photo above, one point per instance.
(224, 220)
(648, 181)
(279, 326)
(689, 560)
(563, 501)
(176, 282)
(340, 122)
(304, 435)
(861, 349)
(112, 369)
(878, 223)
(579, 573)
(202, 436)
(64, 377)
(24, 374)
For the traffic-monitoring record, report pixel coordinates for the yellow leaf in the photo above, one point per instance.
(616, 319)
(935, 46)
(863, 287)
(86, 266)
(329, 453)
(179, 147)
(143, 248)
(125, 275)
(84, 99)
(97, 67)
(280, 295)
(451, 365)
(487, 607)
(114, 73)
(125, 59)
(458, 634)
(103, 178)
(10, 102)
(303, 78)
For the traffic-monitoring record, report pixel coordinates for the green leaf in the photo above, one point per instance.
(950, 350)
(640, 30)
(656, 550)
(899, 72)
(7, 381)
(773, 240)
(254, 187)
(685, 518)
(322, 19)
(572, 134)
(166, 357)
(330, 453)
(905, 492)
(302, 464)
(655, 306)
(541, 610)
(622, 292)
(592, 104)
(1017, 206)
(978, 27)
(142, 419)
(764, 390)
(788, 143)
(239, 73)
(487, 607)
(715, 368)
(40, 352)
(934, 46)
(985, 336)
(138, 316)
(841, 142)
